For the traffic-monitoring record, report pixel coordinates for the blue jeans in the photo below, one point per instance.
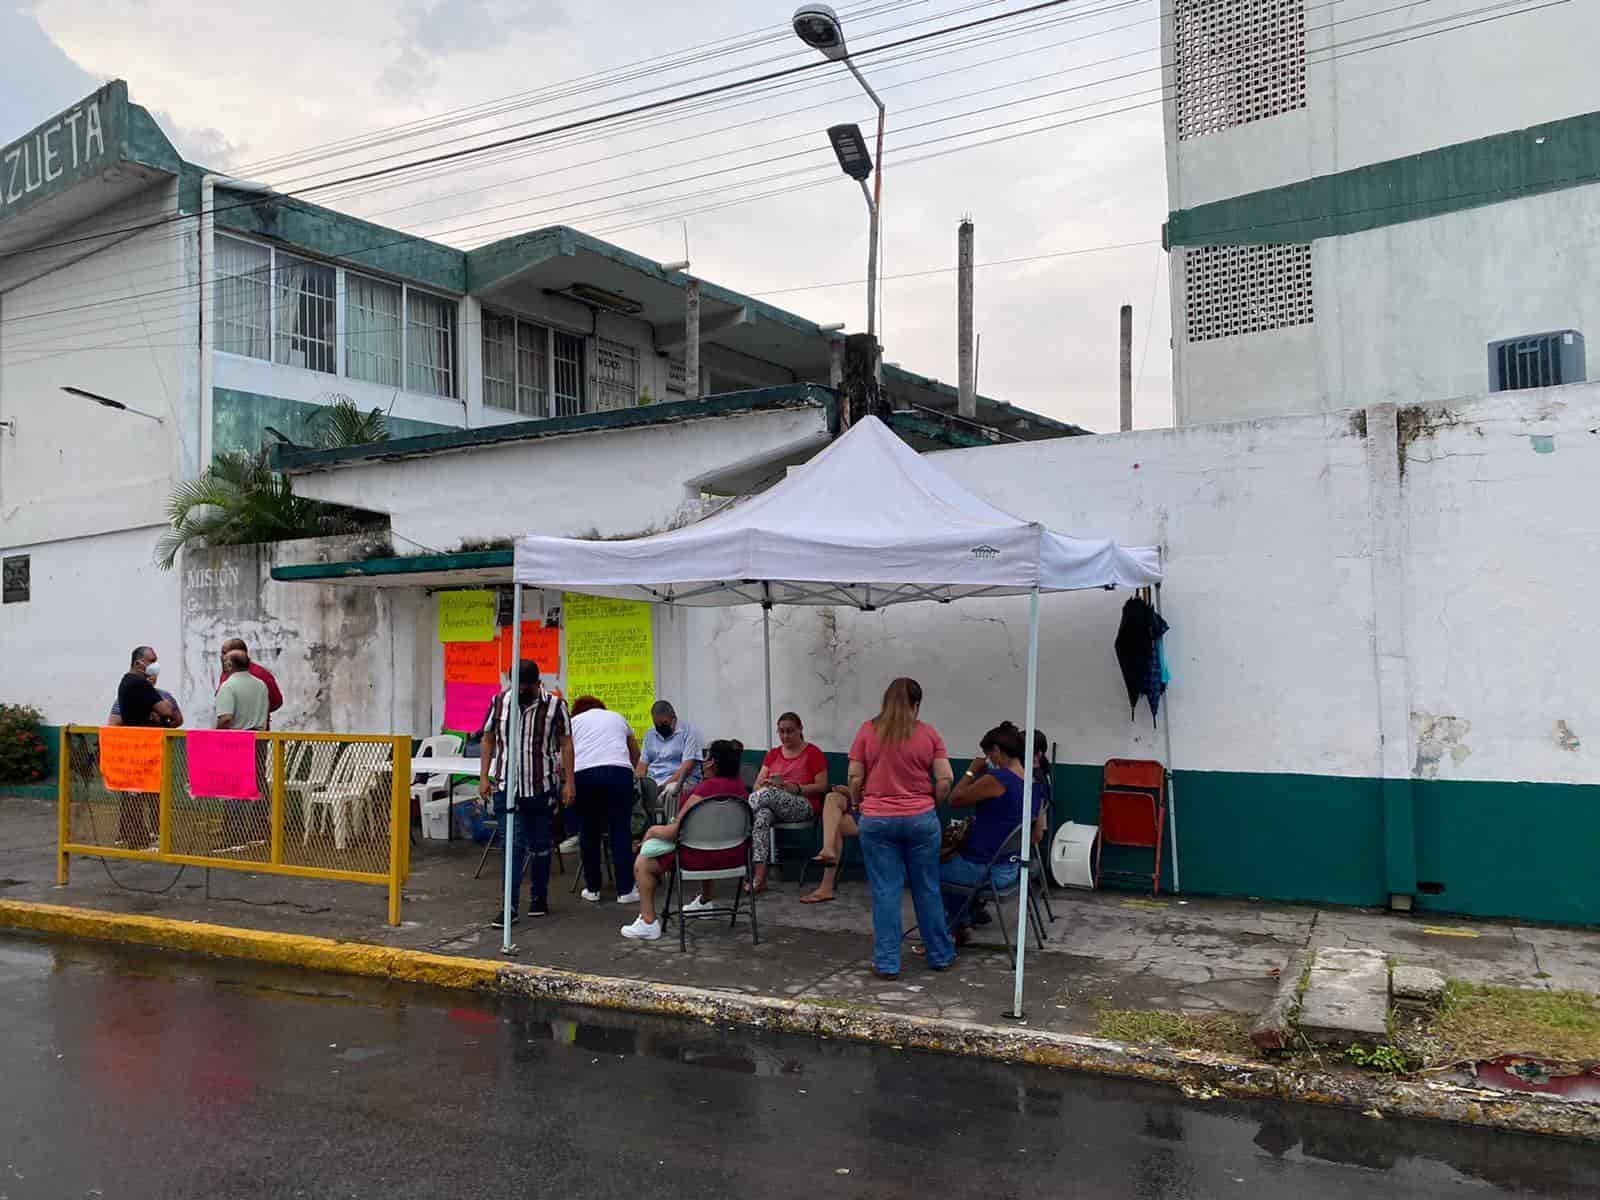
(898, 850)
(532, 834)
(966, 873)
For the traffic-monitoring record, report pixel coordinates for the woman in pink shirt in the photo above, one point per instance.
(899, 770)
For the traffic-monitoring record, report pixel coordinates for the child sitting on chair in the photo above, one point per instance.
(722, 779)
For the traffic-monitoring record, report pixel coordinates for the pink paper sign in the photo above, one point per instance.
(467, 704)
(222, 763)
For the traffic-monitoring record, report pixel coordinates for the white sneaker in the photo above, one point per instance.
(642, 930)
(570, 846)
(594, 897)
(631, 898)
(699, 904)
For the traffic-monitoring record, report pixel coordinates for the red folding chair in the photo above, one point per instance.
(1133, 812)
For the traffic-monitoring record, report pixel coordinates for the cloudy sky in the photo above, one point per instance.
(1045, 128)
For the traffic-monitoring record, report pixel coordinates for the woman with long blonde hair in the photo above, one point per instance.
(899, 770)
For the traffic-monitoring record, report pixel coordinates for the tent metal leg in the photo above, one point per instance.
(1027, 800)
(513, 761)
(766, 661)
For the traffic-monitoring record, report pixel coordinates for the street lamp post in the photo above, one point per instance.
(818, 26)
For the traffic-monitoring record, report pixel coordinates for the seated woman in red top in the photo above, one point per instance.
(722, 779)
(790, 787)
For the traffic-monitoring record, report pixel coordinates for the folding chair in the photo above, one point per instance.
(1133, 812)
(1010, 851)
(720, 823)
(844, 857)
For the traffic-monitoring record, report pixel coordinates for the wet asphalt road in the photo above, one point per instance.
(136, 1074)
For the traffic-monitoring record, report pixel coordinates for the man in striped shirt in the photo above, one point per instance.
(544, 773)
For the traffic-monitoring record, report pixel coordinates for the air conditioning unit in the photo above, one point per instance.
(1537, 360)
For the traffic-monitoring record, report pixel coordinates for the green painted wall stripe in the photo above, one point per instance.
(1506, 166)
(419, 564)
(239, 420)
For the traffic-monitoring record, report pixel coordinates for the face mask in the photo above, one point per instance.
(664, 730)
(152, 670)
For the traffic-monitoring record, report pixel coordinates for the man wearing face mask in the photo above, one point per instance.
(138, 701)
(670, 758)
(544, 773)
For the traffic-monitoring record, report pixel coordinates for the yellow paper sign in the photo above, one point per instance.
(611, 654)
(130, 758)
(466, 616)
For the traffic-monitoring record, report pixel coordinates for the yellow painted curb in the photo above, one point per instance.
(284, 949)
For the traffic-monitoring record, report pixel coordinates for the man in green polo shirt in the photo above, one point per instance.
(242, 701)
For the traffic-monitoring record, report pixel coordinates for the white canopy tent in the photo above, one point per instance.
(866, 523)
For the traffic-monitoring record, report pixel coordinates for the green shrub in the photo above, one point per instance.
(23, 758)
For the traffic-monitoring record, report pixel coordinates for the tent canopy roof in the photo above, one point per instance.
(867, 523)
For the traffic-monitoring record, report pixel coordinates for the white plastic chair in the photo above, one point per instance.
(343, 799)
(434, 786)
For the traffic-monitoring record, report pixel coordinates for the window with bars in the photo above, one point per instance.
(373, 330)
(516, 366)
(566, 353)
(306, 313)
(1536, 361)
(430, 344)
(1237, 61)
(1234, 290)
(242, 296)
(616, 375)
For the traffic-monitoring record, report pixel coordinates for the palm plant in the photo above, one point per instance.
(240, 499)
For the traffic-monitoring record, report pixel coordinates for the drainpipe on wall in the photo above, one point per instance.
(967, 394)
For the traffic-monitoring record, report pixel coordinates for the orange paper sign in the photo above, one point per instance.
(538, 643)
(471, 662)
(130, 758)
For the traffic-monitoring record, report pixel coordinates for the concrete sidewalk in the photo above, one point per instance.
(1197, 957)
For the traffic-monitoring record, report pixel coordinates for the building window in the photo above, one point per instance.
(243, 298)
(1234, 290)
(616, 375)
(305, 314)
(1537, 361)
(533, 369)
(1237, 61)
(372, 330)
(516, 366)
(567, 354)
(430, 344)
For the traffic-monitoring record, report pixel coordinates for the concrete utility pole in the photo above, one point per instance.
(860, 396)
(691, 340)
(967, 401)
(1126, 365)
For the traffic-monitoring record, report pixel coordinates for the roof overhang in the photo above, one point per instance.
(471, 569)
(87, 158)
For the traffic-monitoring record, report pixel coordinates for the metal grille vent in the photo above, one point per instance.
(1233, 290)
(1237, 61)
(1536, 361)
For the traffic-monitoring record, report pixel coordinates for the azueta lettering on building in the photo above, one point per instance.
(71, 142)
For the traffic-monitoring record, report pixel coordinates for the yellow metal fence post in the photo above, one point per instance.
(399, 821)
(64, 798)
(164, 804)
(277, 796)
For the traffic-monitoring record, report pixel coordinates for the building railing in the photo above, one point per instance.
(326, 805)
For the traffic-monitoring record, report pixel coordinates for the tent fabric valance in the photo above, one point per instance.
(867, 523)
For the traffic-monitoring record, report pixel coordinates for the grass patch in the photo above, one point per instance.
(1482, 1022)
(1142, 1027)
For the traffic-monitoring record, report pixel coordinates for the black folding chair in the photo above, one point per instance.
(720, 823)
(1010, 851)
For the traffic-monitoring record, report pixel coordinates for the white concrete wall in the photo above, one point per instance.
(1405, 314)
(609, 483)
(93, 599)
(118, 321)
(1473, 78)
(1276, 534)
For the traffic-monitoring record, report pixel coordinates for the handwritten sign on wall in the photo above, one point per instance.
(466, 616)
(471, 662)
(611, 654)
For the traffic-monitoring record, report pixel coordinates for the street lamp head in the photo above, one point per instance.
(851, 149)
(818, 26)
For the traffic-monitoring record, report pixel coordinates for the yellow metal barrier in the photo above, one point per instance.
(332, 806)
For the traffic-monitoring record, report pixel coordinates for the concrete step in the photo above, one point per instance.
(1347, 998)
